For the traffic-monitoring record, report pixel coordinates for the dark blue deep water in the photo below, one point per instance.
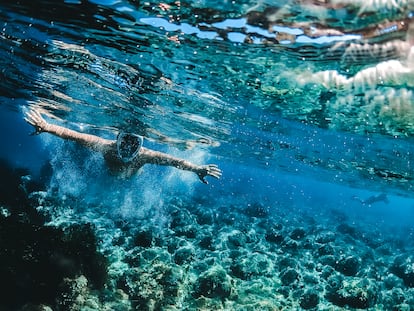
(306, 106)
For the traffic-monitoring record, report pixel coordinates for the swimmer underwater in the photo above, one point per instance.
(124, 156)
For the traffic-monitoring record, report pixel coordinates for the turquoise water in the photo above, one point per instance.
(306, 107)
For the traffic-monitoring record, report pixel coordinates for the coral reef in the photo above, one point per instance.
(206, 256)
(43, 265)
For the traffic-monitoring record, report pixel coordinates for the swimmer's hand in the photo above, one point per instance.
(208, 170)
(34, 118)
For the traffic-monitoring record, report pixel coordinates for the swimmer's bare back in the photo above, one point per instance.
(109, 151)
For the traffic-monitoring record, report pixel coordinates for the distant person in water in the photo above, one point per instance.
(125, 155)
(372, 199)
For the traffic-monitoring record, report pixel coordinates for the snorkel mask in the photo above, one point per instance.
(128, 146)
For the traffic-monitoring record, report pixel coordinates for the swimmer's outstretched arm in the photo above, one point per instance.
(146, 156)
(149, 156)
(34, 118)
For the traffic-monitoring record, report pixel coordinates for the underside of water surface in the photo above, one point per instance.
(306, 106)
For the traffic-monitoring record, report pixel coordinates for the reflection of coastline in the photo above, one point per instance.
(372, 199)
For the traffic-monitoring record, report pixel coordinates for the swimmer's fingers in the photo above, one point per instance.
(213, 170)
(208, 170)
(34, 118)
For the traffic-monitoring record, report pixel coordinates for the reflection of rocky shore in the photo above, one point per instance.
(219, 257)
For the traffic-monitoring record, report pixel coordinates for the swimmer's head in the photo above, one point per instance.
(128, 146)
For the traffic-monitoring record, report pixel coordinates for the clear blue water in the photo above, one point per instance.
(304, 106)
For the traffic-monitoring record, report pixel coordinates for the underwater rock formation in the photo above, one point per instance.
(202, 260)
(36, 261)
(403, 267)
(309, 300)
(355, 293)
(213, 283)
(152, 286)
(41, 264)
(348, 266)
